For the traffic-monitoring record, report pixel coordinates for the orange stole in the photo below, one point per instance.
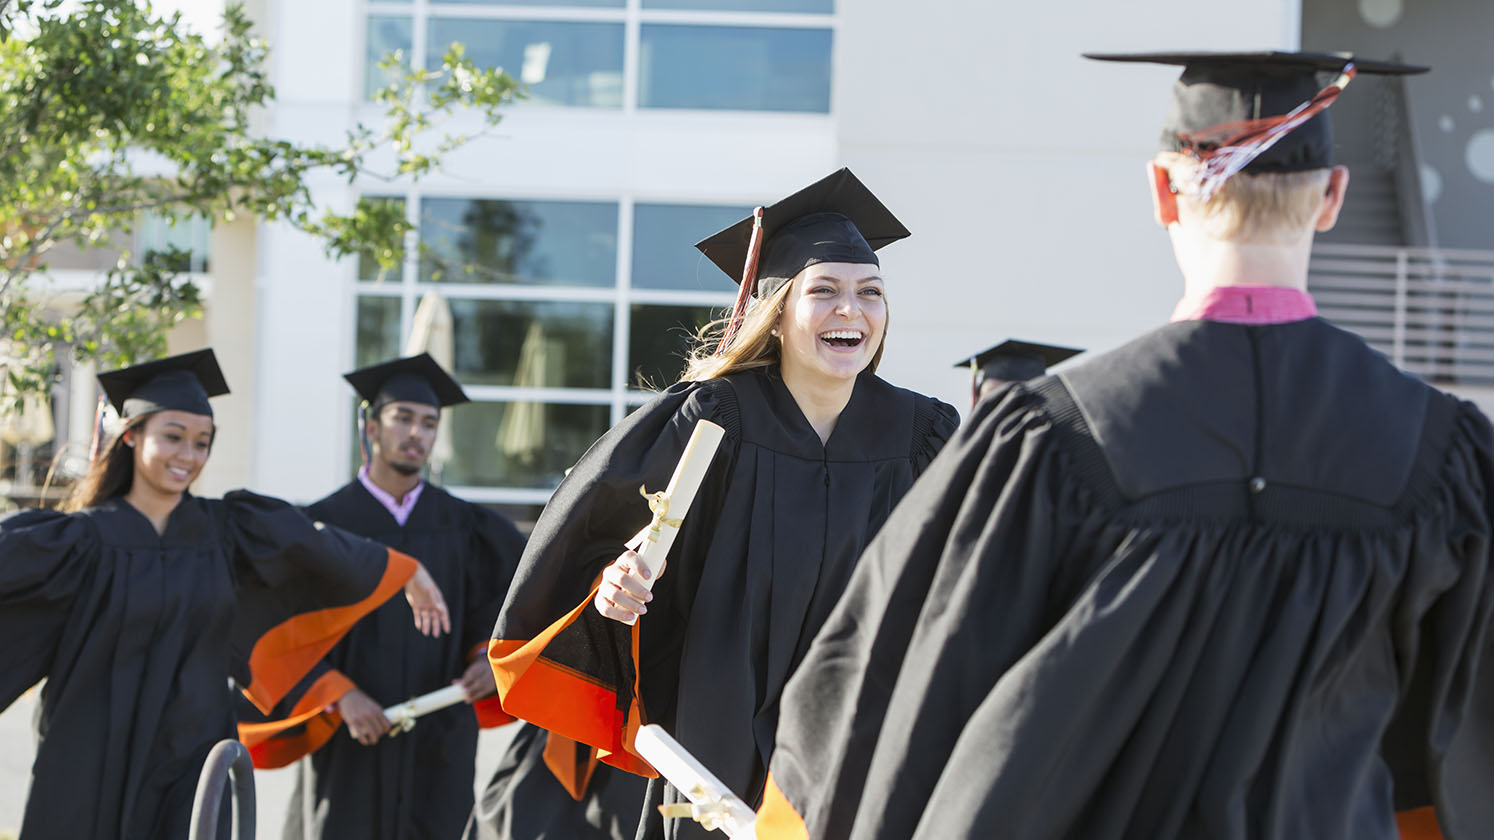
(566, 701)
(290, 649)
(1420, 824)
(777, 819)
(268, 748)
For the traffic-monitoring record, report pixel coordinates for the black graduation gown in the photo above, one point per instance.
(137, 635)
(417, 785)
(1225, 582)
(769, 543)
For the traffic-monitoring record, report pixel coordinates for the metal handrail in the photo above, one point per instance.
(1431, 310)
(228, 758)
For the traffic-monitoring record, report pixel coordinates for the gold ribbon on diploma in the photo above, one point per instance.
(658, 503)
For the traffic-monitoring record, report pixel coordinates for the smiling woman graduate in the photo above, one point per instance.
(817, 452)
(137, 606)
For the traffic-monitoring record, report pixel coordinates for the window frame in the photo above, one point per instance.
(620, 398)
(632, 15)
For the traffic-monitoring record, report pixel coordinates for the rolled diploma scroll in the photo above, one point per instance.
(712, 804)
(403, 715)
(654, 541)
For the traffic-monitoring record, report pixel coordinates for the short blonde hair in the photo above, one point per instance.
(1273, 207)
(754, 345)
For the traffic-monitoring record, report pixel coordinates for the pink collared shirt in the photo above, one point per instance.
(400, 510)
(1247, 305)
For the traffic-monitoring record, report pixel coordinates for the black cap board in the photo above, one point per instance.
(1017, 361)
(175, 383)
(417, 379)
(1220, 89)
(835, 219)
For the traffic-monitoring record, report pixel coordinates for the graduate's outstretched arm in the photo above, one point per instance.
(431, 616)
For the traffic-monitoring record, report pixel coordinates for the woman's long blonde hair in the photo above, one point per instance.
(753, 346)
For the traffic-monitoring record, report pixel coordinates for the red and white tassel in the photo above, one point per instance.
(748, 285)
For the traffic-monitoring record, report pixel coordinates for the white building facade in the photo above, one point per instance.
(561, 240)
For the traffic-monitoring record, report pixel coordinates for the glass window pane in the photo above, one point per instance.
(526, 344)
(617, 4)
(190, 237)
(528, 445)
(368, 265)
(530, 243)
(386, 34)
(659, 338)
(815, 6)
(735, 68)
(377, 330)
(559, 62)
(664, 255)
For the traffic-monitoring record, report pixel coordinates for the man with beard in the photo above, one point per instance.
(362, 780)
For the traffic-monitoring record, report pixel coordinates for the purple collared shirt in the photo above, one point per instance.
(400, 510)
(1247, 305)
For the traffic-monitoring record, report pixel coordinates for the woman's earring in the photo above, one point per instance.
(775, 331)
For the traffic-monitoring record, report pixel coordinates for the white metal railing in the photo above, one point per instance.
(1431, 310)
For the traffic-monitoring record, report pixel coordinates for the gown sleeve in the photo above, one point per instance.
(496, 548)
(933, 425)
(559, 663)
(46, 557)
(896, 663)
(1440, 746)
(301, 587)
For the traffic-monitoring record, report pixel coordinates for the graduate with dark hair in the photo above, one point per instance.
(1013, 360)
(1231, 580)
(137, 607)
(362, 779)
(817, 451)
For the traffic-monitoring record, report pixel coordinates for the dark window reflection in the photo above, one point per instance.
(527, 445)
(659, 339)
(377, 330)
(824, 7)
(559, 62)
(525, 344)
(386, 34)
(532, 243)
(734, 68)
(664, 236)
(617, 4)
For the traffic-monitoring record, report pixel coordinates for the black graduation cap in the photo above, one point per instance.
(1017, 361)
(417, 379)
(175, 383)
(835, 219)
(1220, 92)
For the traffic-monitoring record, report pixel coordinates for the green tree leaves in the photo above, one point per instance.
(108, 110)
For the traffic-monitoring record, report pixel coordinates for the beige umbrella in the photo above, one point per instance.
(32, 424)
(521, 436)
(431, 332)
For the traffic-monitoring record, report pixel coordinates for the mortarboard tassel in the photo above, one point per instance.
(362, 420)
(1225, 149)
(748, 285)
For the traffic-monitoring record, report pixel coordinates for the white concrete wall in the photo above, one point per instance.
(1018, 165)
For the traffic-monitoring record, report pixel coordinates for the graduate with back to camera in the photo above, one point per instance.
(138, 605)
(817, 451)
(1231, 580)
(362, 779)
